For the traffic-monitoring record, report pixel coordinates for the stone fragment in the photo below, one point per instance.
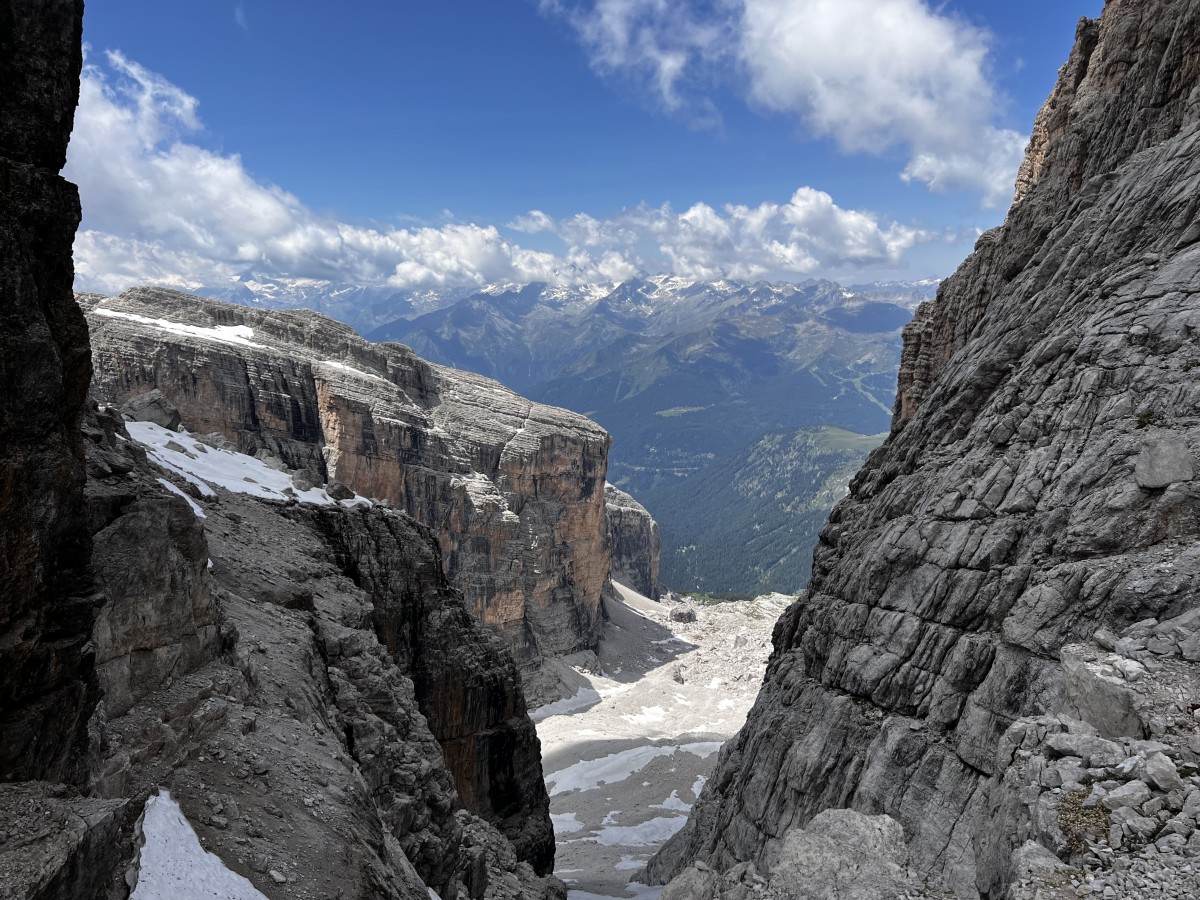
(1094, 751)
(1105, 638)
(1130, 795)
(1161, 773)
(306, 479)
(152, 406)
(1165, 459)
(339, 491)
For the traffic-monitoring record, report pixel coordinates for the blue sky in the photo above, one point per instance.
(429, 144)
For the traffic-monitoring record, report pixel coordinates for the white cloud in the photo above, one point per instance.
(160, 208)
(656, 40)
(807, 235)
(239, 16)
(869, 74)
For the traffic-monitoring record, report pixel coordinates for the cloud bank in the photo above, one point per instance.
(160, 208)
(870, 75)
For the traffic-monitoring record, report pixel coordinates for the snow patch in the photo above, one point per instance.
(359, 373)
(589, 774)
(565, 823)
(629, 862)
(190, 502)
(582, 699)
(647, 716)
(205, 466)
(673, 803)
(239, 335)
(646, 834)
(174, 864)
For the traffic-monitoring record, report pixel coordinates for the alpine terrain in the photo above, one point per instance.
(993, 678)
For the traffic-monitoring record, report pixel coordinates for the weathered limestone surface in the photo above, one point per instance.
(1005, 517)
(55, 842)
(466, 684)
(47, 687)
(150, 558)
(513, 489)
(633, 541)
(304, 677)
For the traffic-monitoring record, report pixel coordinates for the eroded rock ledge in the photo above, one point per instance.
(513, 490)
(1038, 486)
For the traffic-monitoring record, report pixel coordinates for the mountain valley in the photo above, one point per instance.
(288, 612)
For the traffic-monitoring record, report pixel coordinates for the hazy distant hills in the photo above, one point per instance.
(738, 410)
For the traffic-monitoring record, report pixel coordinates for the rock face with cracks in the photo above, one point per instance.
(314, 694)
(1037, 487)
(634, 542)
(513, 490)
(47, 685)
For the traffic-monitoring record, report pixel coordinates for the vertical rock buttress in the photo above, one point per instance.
(47, 684)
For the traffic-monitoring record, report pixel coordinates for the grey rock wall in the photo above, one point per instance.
(47, 687)
(1005, 516)
(512, 489)
(633, 541)
(305, 677)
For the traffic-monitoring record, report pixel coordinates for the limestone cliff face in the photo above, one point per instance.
(304, 676)
(1038, 483)
(466, 684)
(633, 541)
(47, 686)
(513, 489)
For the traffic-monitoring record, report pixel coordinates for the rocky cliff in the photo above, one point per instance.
(318, 699)
(957, 653)
(302, 675)
(513, 489)
(47, 686)
(633, 541)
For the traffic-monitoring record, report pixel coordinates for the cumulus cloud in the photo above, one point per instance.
(807, 235)
(868, 74)
(161, 208)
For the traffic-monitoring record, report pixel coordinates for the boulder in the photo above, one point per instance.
(152, 406)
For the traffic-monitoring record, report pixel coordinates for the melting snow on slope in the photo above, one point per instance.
(190, 502)
(206, 466)
(644, 834)
(673, 802)
(582, 699)
(589, 774)
(223, 334)
(173, 864)
(565, 823)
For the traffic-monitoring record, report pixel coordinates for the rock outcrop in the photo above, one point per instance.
(633, 541)
(47, 685)
(1037, 486)
(513, 489)
(302, 676)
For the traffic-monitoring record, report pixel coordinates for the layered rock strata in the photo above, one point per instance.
(1038, 485)
(329, 715)
(633, 541)
(47, 687)
(513, 489)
